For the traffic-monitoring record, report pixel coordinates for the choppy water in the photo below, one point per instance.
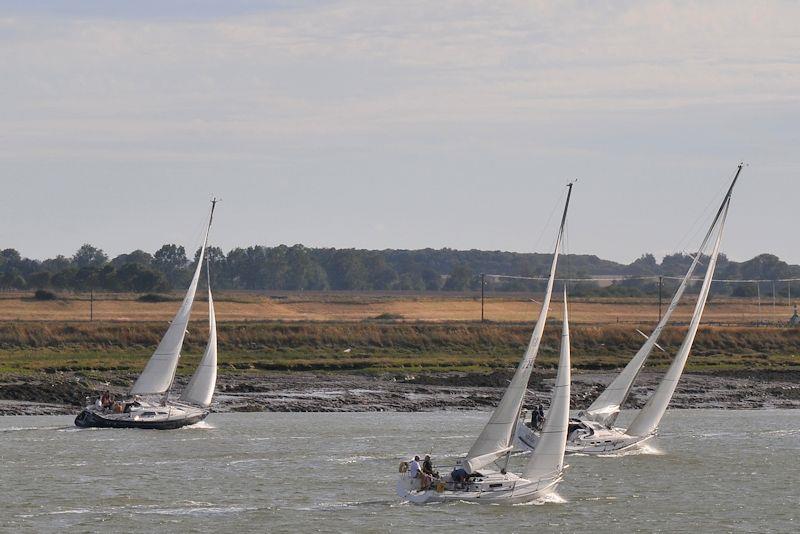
(717, 471)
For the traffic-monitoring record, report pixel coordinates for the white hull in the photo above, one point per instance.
(585, 437)
(490, 488)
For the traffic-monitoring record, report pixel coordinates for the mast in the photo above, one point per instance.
(648, 419)
(159, 373)
(606, 407)
(214, 201)
(497, 436)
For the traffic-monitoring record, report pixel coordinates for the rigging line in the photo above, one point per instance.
(692, 232)
(547, 223)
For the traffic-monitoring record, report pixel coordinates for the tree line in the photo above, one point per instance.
(300, 268)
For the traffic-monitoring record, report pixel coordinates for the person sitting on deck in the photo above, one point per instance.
(459, 475)
(427, 467)
(415, 471)
(105, 399)
(414, 468)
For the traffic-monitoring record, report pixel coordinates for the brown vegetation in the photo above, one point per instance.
(344, 306)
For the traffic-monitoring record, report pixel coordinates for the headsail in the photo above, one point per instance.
(497, 436)
(649, 417)
(159, 372)
(606, 407)
(201, 386)
(547, 460)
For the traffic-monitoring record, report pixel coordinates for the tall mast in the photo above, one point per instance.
(214, 201)
(649, 417)
(496, 438)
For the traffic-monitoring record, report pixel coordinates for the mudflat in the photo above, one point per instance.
(65, 393)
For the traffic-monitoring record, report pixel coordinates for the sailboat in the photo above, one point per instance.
(149, 404)
(593, 431)
(473, 479)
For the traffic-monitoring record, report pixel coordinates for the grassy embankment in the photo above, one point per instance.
(377, 347)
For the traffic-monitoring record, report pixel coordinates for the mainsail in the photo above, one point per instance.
(159, 372)
(497, 436)
(201, 386)
(606, 407)
(648, 419)
(547, 460)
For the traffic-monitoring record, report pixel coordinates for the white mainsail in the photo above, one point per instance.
(159, 372)
(648, 419)
(547, 460)
(497, 436)
(606, 407)
(201, 386)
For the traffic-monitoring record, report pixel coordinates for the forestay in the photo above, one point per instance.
(648, 419)
(159, 372)
(201, 386)
(547, 460)
(496, 439)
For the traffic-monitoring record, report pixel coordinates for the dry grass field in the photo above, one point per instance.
(242, 306)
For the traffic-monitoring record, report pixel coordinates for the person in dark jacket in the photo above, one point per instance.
(427, 467)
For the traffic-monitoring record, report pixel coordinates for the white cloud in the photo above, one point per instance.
(448, 90)
(361, 66)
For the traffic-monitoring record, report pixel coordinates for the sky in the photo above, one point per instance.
(404, 124)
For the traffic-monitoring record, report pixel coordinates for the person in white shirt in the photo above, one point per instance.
(414, 468)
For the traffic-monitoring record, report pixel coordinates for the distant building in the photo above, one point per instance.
(795, 320)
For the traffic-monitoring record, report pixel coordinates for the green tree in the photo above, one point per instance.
(460, 279)
(89, 256)
(172, 262)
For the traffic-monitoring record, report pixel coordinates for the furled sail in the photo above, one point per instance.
(606, 407)
(201, 386)
(159, 372)
(496, 439)
(547, 460)
(648, 419)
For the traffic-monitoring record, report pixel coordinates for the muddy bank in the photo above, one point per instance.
(339, 392)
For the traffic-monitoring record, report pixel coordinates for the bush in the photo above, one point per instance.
(43, 294)
(154, 297)
(388, 317)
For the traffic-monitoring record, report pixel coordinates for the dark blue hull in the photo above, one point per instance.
(88, 419)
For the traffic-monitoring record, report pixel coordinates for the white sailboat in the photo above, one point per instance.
(473, 479)
(592, 431)
(149, 404)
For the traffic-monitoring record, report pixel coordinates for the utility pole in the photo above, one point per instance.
(91, 304)
(758, 293)
(660, 285)
(483, 286)
(774, 312)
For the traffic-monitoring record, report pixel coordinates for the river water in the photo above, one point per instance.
(709, 470)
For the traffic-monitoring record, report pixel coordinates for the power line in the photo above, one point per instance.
(622, 278)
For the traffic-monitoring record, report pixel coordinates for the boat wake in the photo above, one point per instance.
(200, 425)
(646, 448)
(551, 498)
(28, 428)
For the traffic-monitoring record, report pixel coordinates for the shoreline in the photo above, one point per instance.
(347, 392)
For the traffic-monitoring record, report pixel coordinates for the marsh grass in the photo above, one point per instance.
(379, 346)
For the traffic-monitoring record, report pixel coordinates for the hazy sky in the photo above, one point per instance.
(398, 124)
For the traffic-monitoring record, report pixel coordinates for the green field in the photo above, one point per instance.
(378, 347)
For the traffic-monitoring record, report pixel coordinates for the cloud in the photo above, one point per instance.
(359, 67)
